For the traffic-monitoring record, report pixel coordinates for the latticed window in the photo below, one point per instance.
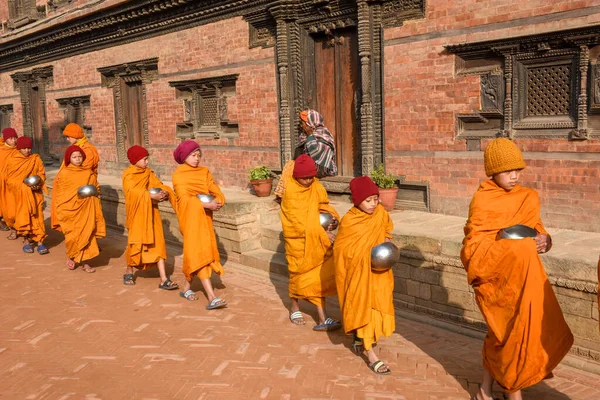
(549, 91)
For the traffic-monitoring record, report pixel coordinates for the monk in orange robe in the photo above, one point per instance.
(26, 213)
(7, 150)
(79, 219)
(145, 238)
(200, 253)
(308, 246)
(75, 136)
(527, 334)
(365, 295)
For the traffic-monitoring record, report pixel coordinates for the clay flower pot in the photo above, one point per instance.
(387, 198)
(262, 187)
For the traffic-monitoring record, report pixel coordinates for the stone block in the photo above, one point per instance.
(573, 306)
(454, 281)
(425, 291)
(454, 298)
(425, 275)
(404, 298)
(402, 270)
(412, 288)
(584, 328)
(574, 293)
(400, 285)
(422, 244)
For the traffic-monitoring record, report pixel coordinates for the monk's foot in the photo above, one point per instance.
(168, 284)
(88, 269)
(128, 280)
(358, 346)
(3, 227)
(379, 368)
(71, 264)
(297, 318)
(482, 396)
(12, 236)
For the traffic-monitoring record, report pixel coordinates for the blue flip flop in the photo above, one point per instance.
(330, 324)
(28, 248)
(216, 303)
(41, 249)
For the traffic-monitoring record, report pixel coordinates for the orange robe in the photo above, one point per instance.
(286, 176)
(527, 333)
(23, 209)
(80, 220)
(308, 249)
(145, 236)
(6, 152)
(366, 297)
(91, 162)
(200, 252)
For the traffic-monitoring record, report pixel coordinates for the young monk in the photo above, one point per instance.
(200, 253)
(308, 247)
(79, 219)
(145, 240)
(25, 212)
(365, 295)
(527, 334)
(7, 149)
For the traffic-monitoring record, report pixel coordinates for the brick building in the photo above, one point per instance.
(419, 85)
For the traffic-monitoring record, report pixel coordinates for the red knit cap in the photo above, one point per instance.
(73, 130)
(7, 133)
(136, 153)
(70, 150)
(361, 188)
(304, 167)
(184, 149)
(24, 142)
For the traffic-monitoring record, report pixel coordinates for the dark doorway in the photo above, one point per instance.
(132, 113)
(35, 106)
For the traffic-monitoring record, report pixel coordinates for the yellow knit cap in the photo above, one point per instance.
(502, 155)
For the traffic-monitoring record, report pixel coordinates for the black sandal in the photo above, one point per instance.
(128, 278)
(168, 284)
(358, 345)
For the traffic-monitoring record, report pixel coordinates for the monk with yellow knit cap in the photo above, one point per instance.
(527, 334)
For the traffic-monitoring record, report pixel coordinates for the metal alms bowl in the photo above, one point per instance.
(155, 190)
(87, 191)
(325, 219)
(384, 256)
(517, 232)
(33, 180)
(205, 198)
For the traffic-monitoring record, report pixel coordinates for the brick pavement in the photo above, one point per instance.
(72, 335)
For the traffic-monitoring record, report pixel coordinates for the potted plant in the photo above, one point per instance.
(388, 190)
(261, 180)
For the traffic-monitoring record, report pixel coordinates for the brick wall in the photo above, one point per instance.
(420, 131)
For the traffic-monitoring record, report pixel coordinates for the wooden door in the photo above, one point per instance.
(35, 105)
(132, 110)
(336, 85)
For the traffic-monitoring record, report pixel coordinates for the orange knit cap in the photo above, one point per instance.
(502, 155)
(74, 131)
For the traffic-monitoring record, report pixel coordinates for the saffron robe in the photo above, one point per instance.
(80, 219)
(308, 249)
(23, 209)
(145, 236)
(366, 296)
(527, 334)
(6, 152)
(200, 252)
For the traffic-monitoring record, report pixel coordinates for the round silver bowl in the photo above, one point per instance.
(517, 232)
(384, 256)
(325, 219)
(205, 198)
(33, 180)
(87, 191)
(155, 190)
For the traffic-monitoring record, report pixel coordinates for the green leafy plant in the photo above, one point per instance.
(383, 180)
(260, 173)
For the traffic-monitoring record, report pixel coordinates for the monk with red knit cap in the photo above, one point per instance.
(24, 213)
(365, 295)
(527, 334)
(7, 150)
(200, 253)
(308, 246)
(79, 218)
(145, 238)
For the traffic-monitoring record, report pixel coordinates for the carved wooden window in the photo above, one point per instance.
(22, 12)
(206, 107)
(74, 112)
(128, 82)
(6, 111)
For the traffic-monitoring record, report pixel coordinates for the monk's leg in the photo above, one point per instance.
(187, 287)
(485, 390)
(295, 313)
(128, 276)
(321, 312)
(515, 396)
(165, 282)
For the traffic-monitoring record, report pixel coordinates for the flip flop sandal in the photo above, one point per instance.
(297, 318)
(12, 236)
(41, 249)
(378, 364)
(216, 303)
(168, 284)
(358, 346)
(189, 295)
(28, 248)
(128, 280)
(330, 324)
(71, 264)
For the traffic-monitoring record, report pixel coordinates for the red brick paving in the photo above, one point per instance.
(72, 335)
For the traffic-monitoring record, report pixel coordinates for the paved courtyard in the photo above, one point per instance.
(73, 335)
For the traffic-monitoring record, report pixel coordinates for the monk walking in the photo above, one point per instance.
(7, 149)
(365, 295)
(308, 247)
(79, 219)
(145, 238)
(200, 253)
(25, 212)
(527, 334)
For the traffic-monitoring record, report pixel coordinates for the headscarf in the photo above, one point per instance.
(70, 150)
(320, 145)
(184, 149)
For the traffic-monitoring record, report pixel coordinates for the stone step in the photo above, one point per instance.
(265, 260)
(272, 238)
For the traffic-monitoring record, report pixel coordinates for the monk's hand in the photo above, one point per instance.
(542, 242)
(334, 224)
(157, 197)
(164, 195)
(213, 205)
(331, 236)
(36, 188)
